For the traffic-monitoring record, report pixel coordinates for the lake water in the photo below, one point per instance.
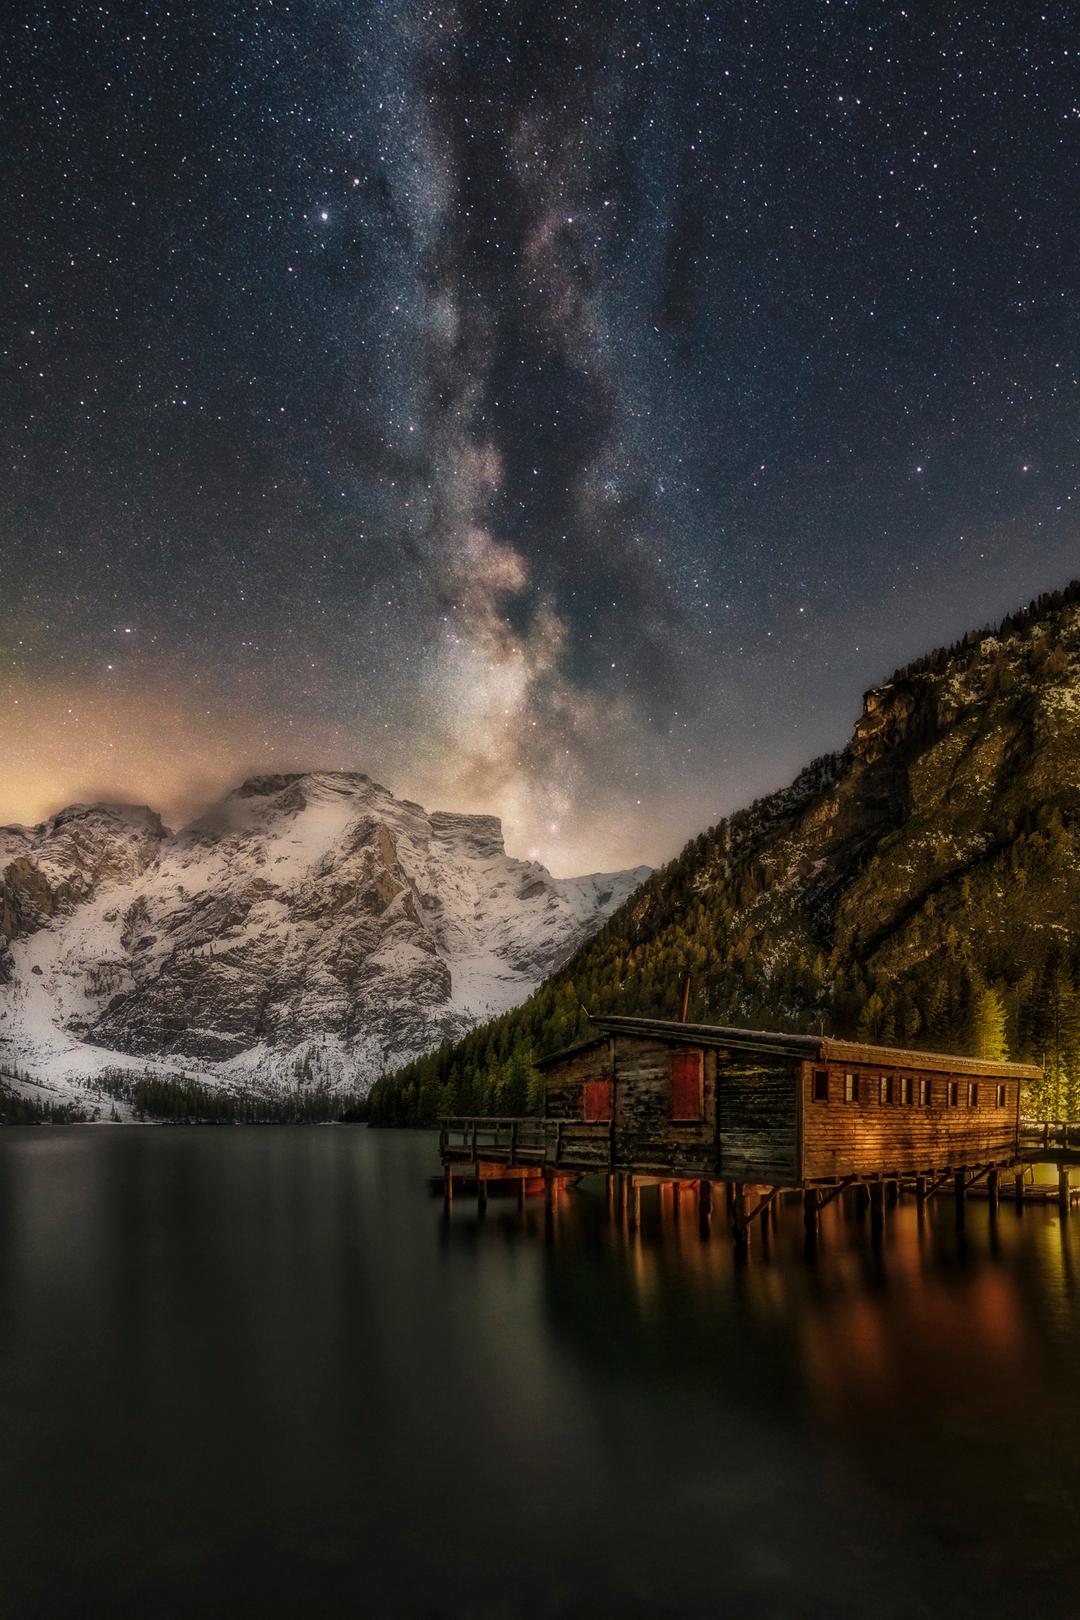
(256, 1372)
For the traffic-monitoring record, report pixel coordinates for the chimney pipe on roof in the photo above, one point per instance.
(685, 1000)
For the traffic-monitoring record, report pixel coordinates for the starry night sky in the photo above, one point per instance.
(563, 411)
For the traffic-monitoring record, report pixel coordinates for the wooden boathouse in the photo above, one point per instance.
(647, 1100)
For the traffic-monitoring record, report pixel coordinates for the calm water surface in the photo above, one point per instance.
(256, 1372)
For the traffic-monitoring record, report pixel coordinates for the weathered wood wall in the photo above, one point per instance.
(871, 1137)
(564, 1081)
(646, 1136)
(758, 1102)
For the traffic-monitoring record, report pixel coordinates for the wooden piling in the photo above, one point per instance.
(1018, 1188)
(960, 1195)
(811, 1211)
(481, 1196)
(992, 1190)
(448, 1185)
(633, 1203)
(920, 1190)
(738, 1219)
(704, 1199)
(877, 1208)
(1063, 1188)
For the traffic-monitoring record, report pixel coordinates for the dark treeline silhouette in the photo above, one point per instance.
(182, 1099)
(18, 1109)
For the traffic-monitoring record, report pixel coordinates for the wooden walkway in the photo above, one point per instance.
(531, 1155)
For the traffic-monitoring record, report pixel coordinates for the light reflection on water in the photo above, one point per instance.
(260, 1370)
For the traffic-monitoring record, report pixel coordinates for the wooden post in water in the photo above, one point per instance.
(738, 1218)
(704, 1204)
(481, 1196)
(633, 1203)
(862, 1200)
(811, 1212)
(992, 1191)
(920, 1191)
(1063, 1188)
(1018, 1188)
(960, 1195)
(877, 1208)
(448, 1184)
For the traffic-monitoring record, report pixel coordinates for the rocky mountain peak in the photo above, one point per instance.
(309, 919)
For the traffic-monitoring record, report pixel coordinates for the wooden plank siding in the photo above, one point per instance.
(758, 1120)
(646, 1136)
(564, 1089)
(870, 1137)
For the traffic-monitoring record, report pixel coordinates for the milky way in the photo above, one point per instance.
(559, 411)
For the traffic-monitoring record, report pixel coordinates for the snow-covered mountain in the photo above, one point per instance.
(306, 919)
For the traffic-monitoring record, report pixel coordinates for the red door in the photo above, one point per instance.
(686, 1085)
(598, 1099)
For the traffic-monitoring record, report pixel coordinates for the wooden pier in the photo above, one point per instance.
(738, 1120)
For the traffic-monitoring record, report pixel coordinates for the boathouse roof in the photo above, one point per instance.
(776, 1043)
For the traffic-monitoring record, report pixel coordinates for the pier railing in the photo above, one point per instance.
(582, 1143)
(1047, 1134)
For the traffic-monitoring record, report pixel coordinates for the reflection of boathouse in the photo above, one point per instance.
(765, 1111)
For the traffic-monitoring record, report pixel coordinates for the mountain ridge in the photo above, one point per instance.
(921, 884)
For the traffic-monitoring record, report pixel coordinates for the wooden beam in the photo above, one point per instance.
(763, 1204)
(826, 1197)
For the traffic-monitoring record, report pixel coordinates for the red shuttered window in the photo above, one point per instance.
(598, 1099)
(685, 1085)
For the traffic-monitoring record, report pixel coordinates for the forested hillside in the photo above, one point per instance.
(921, 887)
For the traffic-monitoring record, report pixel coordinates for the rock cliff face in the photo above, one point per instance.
(309, 920)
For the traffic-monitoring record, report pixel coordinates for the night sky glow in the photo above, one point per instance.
(563, 411)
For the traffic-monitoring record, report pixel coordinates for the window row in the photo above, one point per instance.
(905, 1089)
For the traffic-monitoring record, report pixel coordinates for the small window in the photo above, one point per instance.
(1001, 1096)
(685, 1072)
(851, 1088)
(973, 1094)
(883, 1089)
(906, 1089)
(924, 1093)
(953, 1093)
(821, 1085)
(598, 1099)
